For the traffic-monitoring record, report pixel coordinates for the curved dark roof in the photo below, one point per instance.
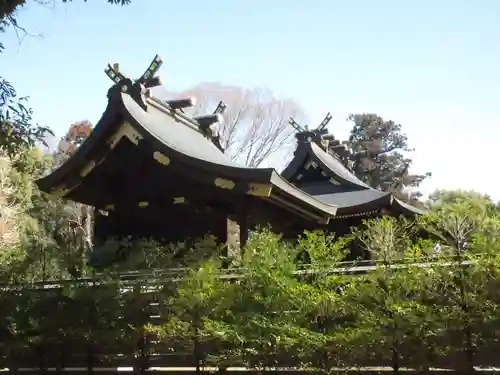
(177, 134)
(363, 201)
(173, 135)
(329, 164)
(352, 196)
(335, 166)
(348, 199)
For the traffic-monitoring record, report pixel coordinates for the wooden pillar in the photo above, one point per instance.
(237, 228)
(243, 223)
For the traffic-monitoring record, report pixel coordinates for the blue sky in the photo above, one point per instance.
(433, 66)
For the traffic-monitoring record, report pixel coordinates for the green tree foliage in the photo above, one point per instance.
(481, 204)
(265, 312)
(17, 130)
(270, 309)
(268, 312)
(331, 317)
(58, 241)
(48, 241)
(419, 308)
(393, 322)
(21, 198)
(71, 223)
(467, 235)
(10, 213)
(49, 238)
(379, 296)
(379, 152)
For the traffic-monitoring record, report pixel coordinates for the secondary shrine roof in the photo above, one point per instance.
(318, 171)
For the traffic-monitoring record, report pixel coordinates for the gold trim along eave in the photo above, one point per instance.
(90, 166)
(259, 189)
(224, 183)
(161, 158)
(179, 200)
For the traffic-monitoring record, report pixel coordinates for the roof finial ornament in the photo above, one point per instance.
(318, 135)
(207, 124)
(321, 137)
(325, 122)
(296, 125)
(221, 108)
(138, 88)
(219, 112)
(149, 77)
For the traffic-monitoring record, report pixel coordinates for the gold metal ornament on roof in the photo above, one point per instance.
(224, 183)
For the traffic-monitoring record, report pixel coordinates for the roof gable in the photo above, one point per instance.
(317, 169)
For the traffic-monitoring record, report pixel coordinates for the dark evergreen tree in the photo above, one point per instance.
(379, 155)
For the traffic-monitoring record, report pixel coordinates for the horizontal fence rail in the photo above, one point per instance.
(175, 275)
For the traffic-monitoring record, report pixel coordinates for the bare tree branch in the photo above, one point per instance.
(255, 124)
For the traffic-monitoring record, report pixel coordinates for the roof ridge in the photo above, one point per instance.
(140, 91)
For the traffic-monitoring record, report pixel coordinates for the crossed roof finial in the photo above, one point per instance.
(325, 122)
(320, 137)
(303, 132)
(148, 78)
(139, 89)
